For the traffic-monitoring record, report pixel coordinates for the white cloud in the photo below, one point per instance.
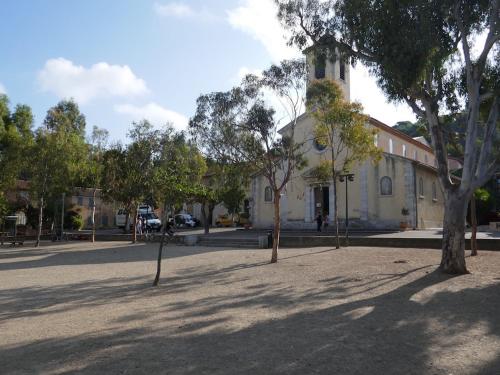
(258, 18)
(67, 80)
(182, 10)
(364, 89)
(153, 112)
(2, 89)
(173, 9)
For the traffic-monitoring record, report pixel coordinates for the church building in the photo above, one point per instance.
(402, 187)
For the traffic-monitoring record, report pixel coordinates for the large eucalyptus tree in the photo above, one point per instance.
(429, 55)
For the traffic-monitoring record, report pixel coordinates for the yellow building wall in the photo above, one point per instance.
(430, 209)
(367, 206)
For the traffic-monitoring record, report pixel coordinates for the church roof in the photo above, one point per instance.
(378, 124)
(399, 134)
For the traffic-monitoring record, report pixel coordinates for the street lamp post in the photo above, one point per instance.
(346, 177)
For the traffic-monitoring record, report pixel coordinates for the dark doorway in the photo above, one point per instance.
(326, 201)
(321, 200)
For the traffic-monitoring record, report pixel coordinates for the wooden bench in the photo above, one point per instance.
(18, 238)
(3, 237)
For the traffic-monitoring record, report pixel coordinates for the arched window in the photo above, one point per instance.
(421, 186)
(385, 186)
(342, 70)
(319, 145)
(434, 192)
(320, 67)
(268, 194)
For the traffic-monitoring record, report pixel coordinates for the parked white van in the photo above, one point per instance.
(121, 218)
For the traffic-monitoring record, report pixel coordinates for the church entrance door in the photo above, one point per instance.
(321, 200)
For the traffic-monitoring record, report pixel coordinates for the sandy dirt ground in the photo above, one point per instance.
(90, 308)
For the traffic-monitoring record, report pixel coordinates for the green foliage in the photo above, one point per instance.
(482, 195)
(237, 127)
(340, 126)
(412, 129)
(161, 167)
(128, 172)
(65, 116)
(55, 158)
(232, 196)
(179, 170)
(15, 139)
(73, 220)
(419, 52)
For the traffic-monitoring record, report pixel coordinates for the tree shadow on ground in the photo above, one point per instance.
(404, 331)
(57, 256)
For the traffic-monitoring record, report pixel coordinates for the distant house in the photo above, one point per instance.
(80, 200)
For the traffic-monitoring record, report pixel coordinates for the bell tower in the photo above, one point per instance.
(330, 66)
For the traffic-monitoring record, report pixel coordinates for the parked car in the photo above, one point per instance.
(145, 209)
(243, 219)
(184, 220)
(224, 221)
(152, 221)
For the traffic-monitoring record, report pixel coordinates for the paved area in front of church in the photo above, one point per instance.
(427, 233)
(90, 308)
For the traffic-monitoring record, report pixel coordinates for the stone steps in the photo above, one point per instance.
(228, 242)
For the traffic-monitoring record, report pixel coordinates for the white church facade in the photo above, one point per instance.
(403, 181)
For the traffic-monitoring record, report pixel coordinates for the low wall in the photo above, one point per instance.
(423, 243)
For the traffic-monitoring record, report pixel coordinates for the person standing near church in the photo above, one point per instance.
(319, 222)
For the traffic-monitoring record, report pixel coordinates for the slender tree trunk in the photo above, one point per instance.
(134, 235)
(336, 210)
(453, 246)
(206, 216)
(127, 223)
(473, 219)
(40, 220)
(211, 207)
(93, 215)
(277, 227)
(160, 249)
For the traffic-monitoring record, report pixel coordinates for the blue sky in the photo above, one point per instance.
(128, 59)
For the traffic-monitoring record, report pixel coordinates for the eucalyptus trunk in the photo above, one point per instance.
(160, 249)
(473, 220)
(277, 227)
(93, 215)
(206, 216)
(40, 220)
(453, 245)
